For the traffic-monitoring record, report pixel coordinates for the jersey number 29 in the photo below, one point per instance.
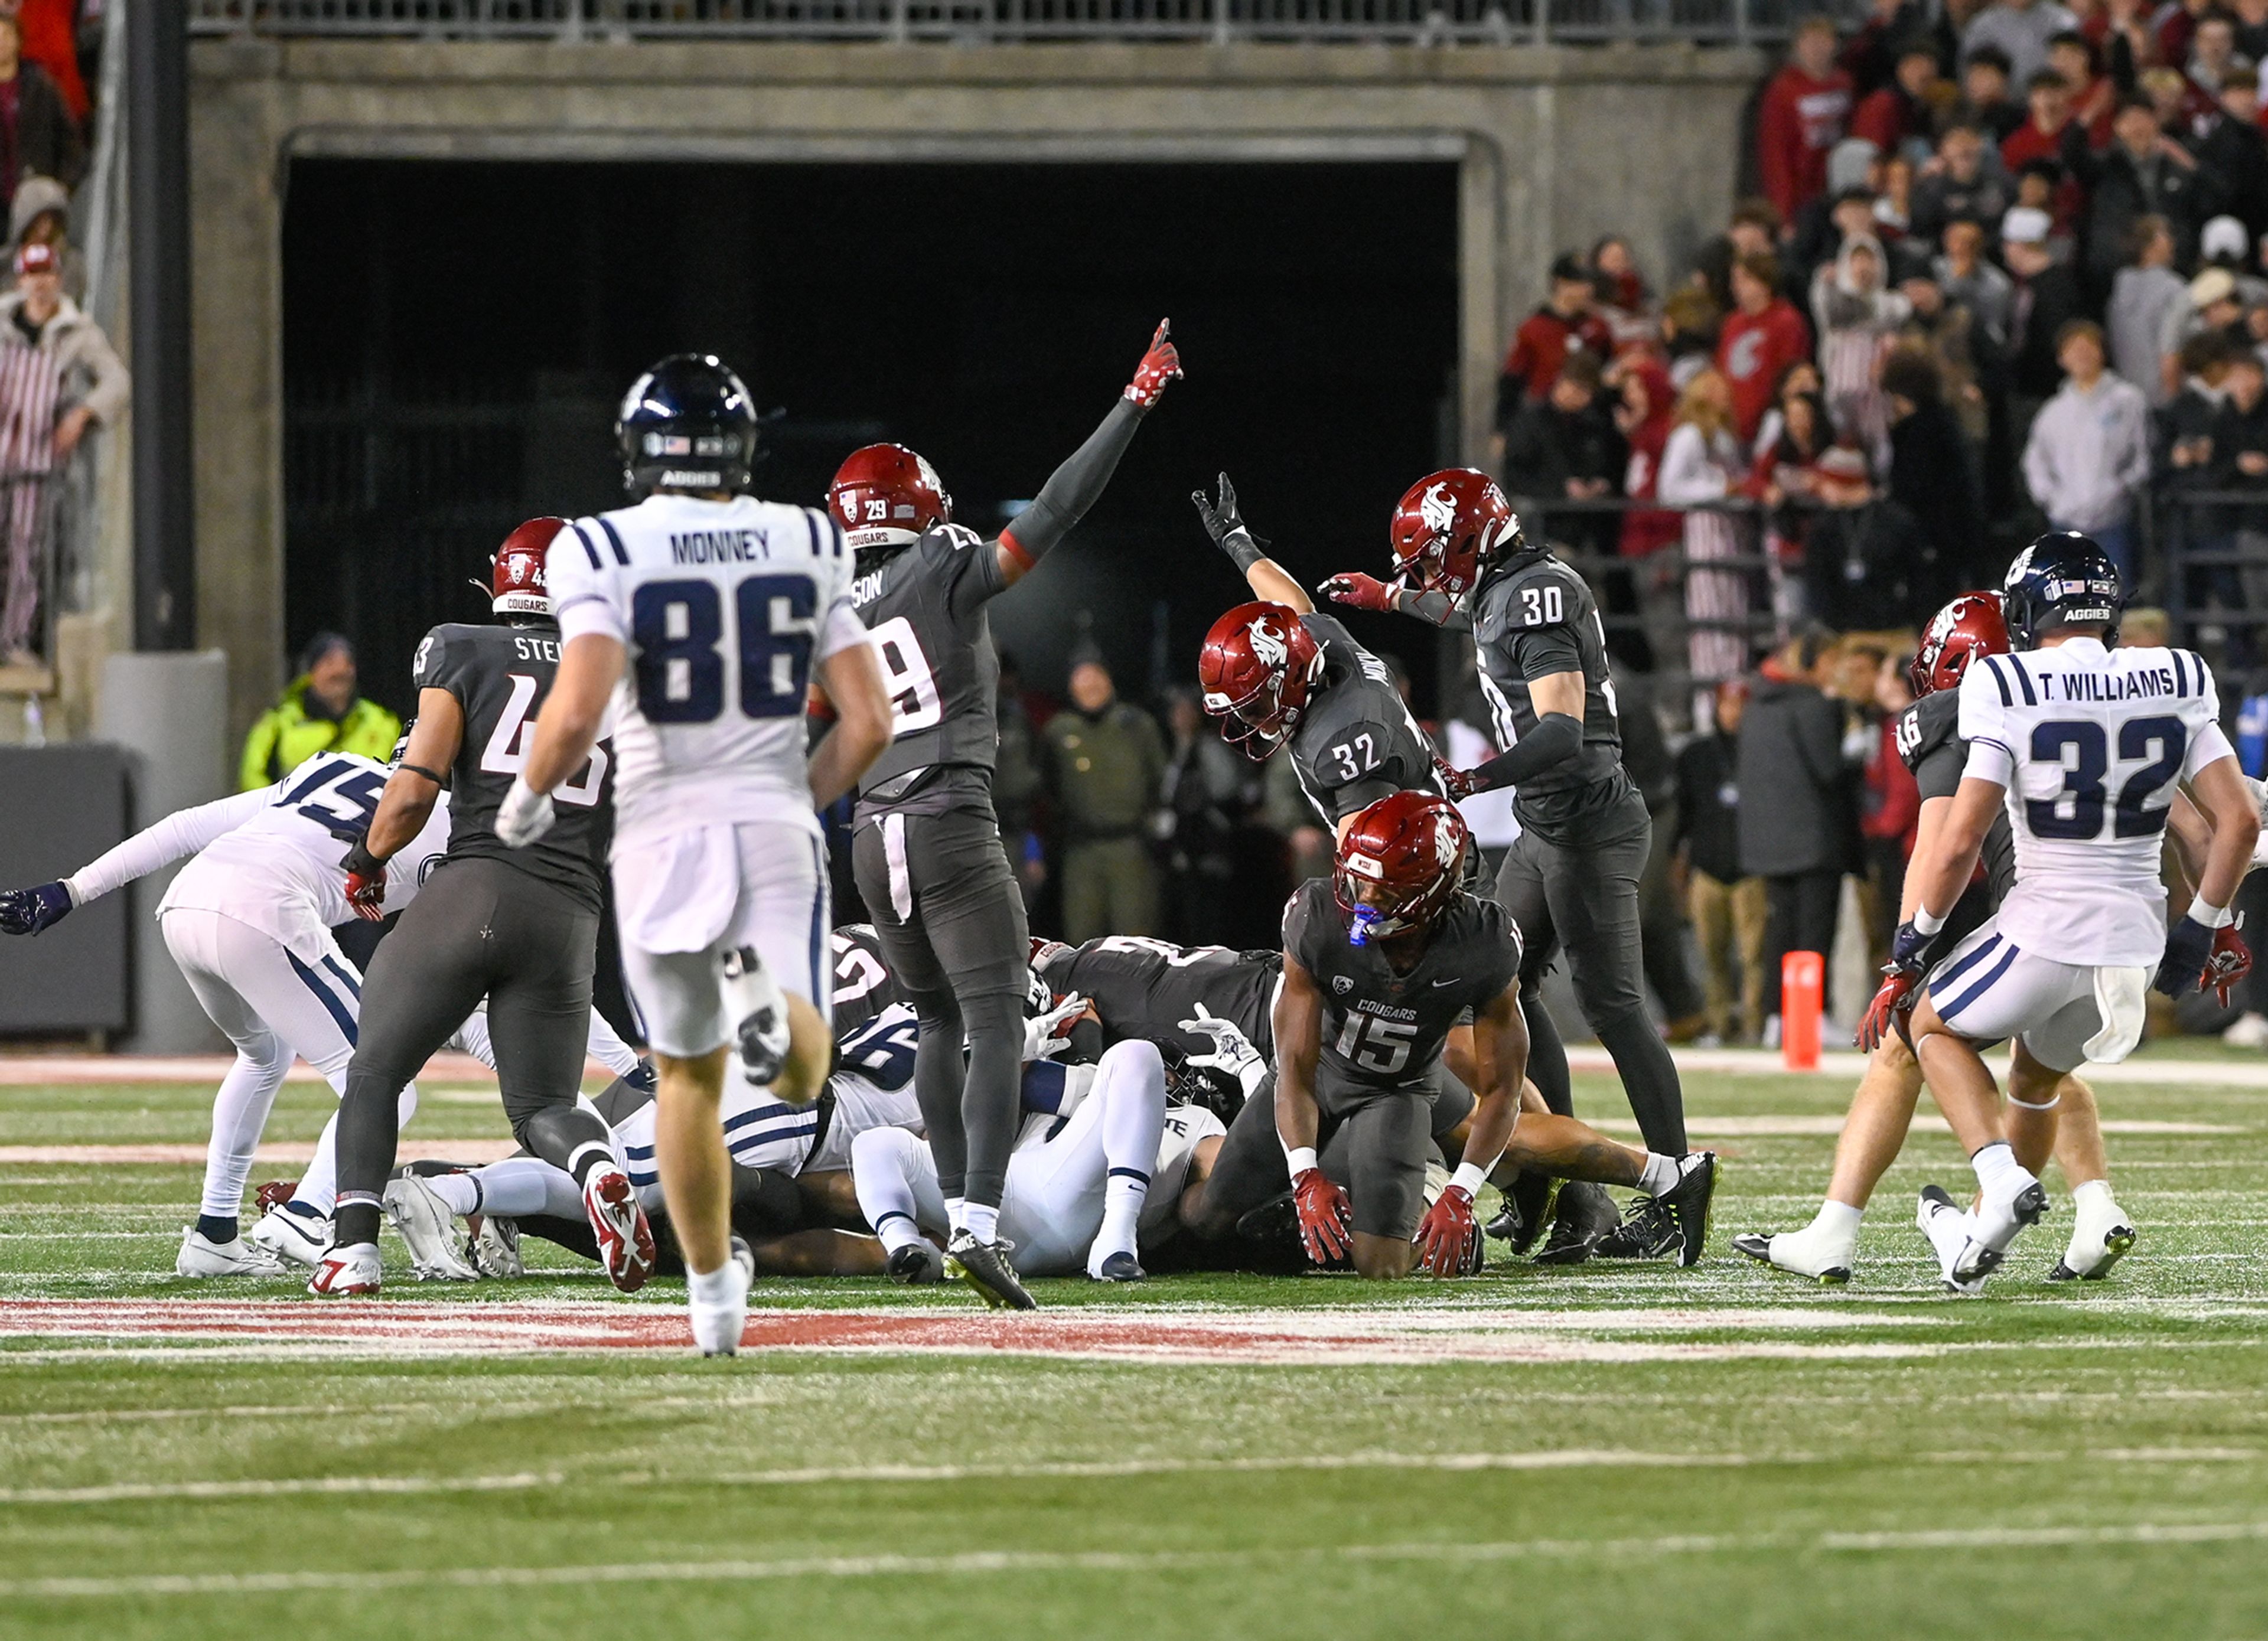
(679, 627)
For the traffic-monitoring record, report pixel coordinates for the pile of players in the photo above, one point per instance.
(932, 1096)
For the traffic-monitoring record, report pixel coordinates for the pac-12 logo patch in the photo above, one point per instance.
(1341, 984)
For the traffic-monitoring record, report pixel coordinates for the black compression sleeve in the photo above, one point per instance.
(1243, 550)
(1075, 486)
(1556, 737)
(1437, 608)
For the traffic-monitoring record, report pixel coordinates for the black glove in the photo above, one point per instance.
(1907, 947)
(28, 912)
(1227, 526)
(2189, 947)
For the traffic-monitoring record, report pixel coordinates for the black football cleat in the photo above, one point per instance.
(1687, 1205)
(984, 1267)
(1526, 1209)
(1585, 1214)
(916, 1264)
(1121, 1267)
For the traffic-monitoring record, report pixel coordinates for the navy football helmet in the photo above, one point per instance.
(686, 424)
(2062, 580)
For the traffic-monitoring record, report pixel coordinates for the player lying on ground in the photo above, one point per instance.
(1881, 1112)
(1570, 879)
(926, 846)
(2083, 744)
(1081, 1189)
(1379, 961)
(248, 922)
(700, 619)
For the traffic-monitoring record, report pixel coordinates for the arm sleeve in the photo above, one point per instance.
(583, 594)
(1074, 487)
(177, 836)
(1555, 739)
(1437, 608)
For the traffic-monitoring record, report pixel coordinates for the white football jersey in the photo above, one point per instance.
(271, 858)
(1177, 1148)
(723, 608)
(2091, 744)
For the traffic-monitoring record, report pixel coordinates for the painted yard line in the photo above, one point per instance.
(281, 1154)
(80, 1071)
(994, 1562)
(1098, 1470)
(1848, 1064)
(1828, 1124)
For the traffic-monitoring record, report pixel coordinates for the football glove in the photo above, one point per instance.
(1161, 364)
(1458, 784)
(1449, 1238)
(1232, 1052)
(1221, 519)
(366, 882)
(2230, 962)
(1326, 1215)
(1365, 592)
(29, 911)
(1049, 1035)
(1893, 1001)
(2189, 945)
(524, 816)
(1907, 946)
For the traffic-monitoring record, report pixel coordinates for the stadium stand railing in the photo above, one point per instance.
(1395, 22)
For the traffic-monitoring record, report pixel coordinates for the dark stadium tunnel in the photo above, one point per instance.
(457, 335)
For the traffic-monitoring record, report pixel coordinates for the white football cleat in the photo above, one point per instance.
(625, 1240)
(353, 1270)
(761, 1009)
(492, 1246)
(1806, 1253)
(1947, 1225)
(302, 1239)
(2101, 1234)
(717, 1327)
(1994, 1223)
(430, 1229)
(202, 1257)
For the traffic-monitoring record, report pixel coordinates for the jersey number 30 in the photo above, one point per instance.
(679, 627)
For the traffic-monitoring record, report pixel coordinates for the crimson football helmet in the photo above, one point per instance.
(1446, 526)
(886, 496)
(516, 585)
(1259, 664)
(1972, 625)
(1399, 864)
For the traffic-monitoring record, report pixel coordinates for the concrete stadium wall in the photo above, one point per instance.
(1557, 146)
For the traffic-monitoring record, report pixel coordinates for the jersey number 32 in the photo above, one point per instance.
(679, 627)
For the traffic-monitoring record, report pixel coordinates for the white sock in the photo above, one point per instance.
(1122, 1197)
(1837, 1221)
(461, 1192)
(1998, 1174)
(956, 1214)
(520, 1186)
(981, 1220)
(1660, 1174)
(1131, 1082)
(2095, 1194)
(720, 1286)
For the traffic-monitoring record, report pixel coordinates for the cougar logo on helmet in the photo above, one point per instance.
(1268, 644)
(1439, 508)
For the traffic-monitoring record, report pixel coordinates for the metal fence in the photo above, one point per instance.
(1396, 22)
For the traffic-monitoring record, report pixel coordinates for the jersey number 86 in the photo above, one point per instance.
(679, 627)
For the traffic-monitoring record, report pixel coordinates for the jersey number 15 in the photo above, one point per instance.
(679, 627)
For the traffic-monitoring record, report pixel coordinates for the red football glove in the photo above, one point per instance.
(367, 896)
(1326, 1217)
(1365, 592)
(1459, 784)
(1161, 364)
(2230, 962)
(1895, 998)
(1449, 1238)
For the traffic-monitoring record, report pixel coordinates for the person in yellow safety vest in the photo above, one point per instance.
(319, 712)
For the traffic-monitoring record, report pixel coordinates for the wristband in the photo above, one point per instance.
(1469, 1178)
(1925, 922)
(2212, 917)
(1299, 1160)
(1242, 550)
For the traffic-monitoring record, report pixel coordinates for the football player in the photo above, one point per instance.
(1882, 1111)
(2084, 744)
(927, 848)
(517, 928)
(1279, 672)
(706, 617)
(1570, 879)
(1379, 961)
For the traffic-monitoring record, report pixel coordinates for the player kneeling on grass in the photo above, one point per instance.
(2084, 744)
(1378, 964)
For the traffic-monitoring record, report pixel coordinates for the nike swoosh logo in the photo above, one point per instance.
(1452, 980)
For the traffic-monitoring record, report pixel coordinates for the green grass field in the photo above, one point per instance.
(1721, 1453)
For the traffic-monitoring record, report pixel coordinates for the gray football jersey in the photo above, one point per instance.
(1356, 743)
(924, 604)
(1382, 1029)
(1146, 987)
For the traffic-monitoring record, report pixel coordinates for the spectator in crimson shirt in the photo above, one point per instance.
(2093, 98)
(37, 133)
(2041, 136)
(1903, 111)
(1568, 323)
(1804, 112)
(1761, 336)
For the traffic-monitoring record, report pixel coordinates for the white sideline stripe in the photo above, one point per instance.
(1098, 1470)
(1118, 1561)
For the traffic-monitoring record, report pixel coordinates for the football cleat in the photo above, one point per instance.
(426, 1225)
(1527, 1208)
(2101, 1234)
(353, 1270)
(1687, 1205)
(984, 1267)
(1946, 1224)
(761, 1033)
(1994, 1226)
(718, 1326)
(202, 1257)
(916, 1265)
(744, 1256)
(1118, 1266)
(625, 1240)
(1585, 1216)
(492, 1246)
(1788, 1251)
(291, 1234)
